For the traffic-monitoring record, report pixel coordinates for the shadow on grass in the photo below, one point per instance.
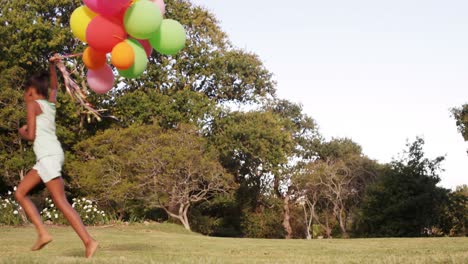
(77, 253)
(134, 247)
(130, 247)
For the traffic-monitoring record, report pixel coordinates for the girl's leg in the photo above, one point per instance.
(27, 184)
(57, 191)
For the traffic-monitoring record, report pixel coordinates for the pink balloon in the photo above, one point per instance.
(101, 80)
(107, 7)
(161, 5)
(147, 46)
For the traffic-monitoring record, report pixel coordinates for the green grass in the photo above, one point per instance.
(166, 243)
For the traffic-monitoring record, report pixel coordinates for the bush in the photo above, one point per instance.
(87, 210)
(10, 210)
(52, 214)
(265, 224)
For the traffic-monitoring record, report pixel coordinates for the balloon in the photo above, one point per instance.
(93, 59)
(107, 7)
(147, 46)
(120, 16)
(104, 33)
(142, 19)
(141, 61)
(159, 3)
(170, 38)
(101, 80)
(80, 20)
(123, 56)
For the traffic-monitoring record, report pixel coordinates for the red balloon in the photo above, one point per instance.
(121, 14)
(104, 33)
(147, 46)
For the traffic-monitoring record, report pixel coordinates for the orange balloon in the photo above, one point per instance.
(94, 59)
(122, 56)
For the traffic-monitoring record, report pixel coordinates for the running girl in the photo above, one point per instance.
(40, 129)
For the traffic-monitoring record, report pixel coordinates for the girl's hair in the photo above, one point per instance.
(39, 81)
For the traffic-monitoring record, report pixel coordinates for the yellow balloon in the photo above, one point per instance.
(80, 20)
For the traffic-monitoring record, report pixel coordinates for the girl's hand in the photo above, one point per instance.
(53, 78)
(23, 131)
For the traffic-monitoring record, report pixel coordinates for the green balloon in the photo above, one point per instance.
(141, 61)
(170, 38)
(142, 19)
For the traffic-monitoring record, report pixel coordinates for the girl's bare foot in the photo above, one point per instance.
(41, 242)
(91, 248)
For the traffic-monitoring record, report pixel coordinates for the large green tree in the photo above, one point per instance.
(30, 32)
(149, 167)
(305, 141)
(253, 146)
(406, 199)
(454, 217)
(333, 185)
(209, 65)
(461, 116)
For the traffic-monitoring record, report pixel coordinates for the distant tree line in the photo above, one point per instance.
(175, 151)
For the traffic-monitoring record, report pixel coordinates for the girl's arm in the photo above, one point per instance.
(28, 132)
(53, 79)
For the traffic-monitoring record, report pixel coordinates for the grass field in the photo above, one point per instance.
(166, 243)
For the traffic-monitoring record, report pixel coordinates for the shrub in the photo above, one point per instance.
(10, 210)
(89, 212)
(50, 213)
(265, 224)
(87, 209)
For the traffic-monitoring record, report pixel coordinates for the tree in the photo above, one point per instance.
(317, 209)
(30, 32)
(140, 107)
(306, 138)
(253, 146)
(332, 186)
(33, 30)
(150, 166)
(337, 185)
(461, 116)
(454, 216)
(405, 199)
(209, 64)
(177, 170)
(103, 168)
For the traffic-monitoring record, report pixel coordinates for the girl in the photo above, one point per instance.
(40, 129)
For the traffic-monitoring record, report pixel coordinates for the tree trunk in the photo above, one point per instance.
(287, 217)
(120, 214)
(307, 221)
(342, 221)
(309, 236)
(181, 215)
(185, 223)
(328, 230)
(184, 217)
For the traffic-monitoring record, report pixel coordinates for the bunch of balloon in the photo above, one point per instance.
(128, 30)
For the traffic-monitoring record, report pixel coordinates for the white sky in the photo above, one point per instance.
(379, 72)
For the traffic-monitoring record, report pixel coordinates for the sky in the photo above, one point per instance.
(378, 72)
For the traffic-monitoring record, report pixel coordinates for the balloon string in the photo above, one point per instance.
(66, 56)
(118, 37)
(76, 92)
